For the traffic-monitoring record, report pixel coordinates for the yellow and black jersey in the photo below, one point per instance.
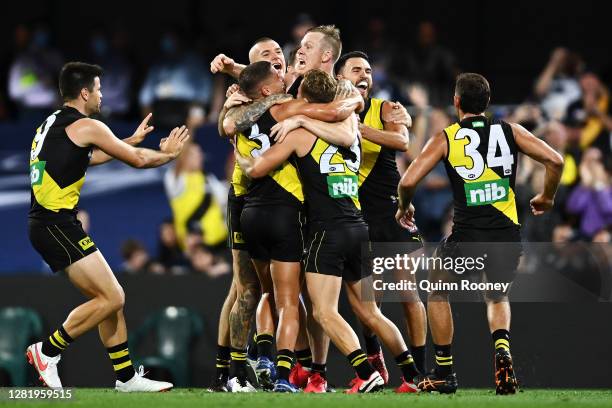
(481, 164)
(330, 179)
(57, 168)
(194, 208)
(378, 173)
(282, 186)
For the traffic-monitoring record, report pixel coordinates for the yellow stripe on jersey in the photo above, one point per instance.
(370, 150)
(49, 194)
(187, 202)
(320, 150)
(458, 158)
(286, 175)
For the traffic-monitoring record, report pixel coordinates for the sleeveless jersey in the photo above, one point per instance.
(330, 178)
(57, 168)
(481, 165)
(282, 186)
(378, 173)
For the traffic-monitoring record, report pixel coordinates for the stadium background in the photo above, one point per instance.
(509, 43)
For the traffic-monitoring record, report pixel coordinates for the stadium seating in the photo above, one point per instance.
(174, 330)
(18, 327)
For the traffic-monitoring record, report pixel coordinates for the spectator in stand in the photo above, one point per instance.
(195, 208)
(32, 82)
(428, 64)
(169, 254)
(136, 259)
(203, 261)
(592, 114)
(592, 198)
(177, 88)
(110, 54)
(557, 86)
(302, 24)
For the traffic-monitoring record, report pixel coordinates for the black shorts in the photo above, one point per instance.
(336, 250)
(235, 239)
(386, 229)
(60, 244)
(274, 232)
(501, 249)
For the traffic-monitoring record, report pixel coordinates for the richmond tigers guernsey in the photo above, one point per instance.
(57, 168)
(330, 179)
(378, 173)
(481, 164)
(282, 186)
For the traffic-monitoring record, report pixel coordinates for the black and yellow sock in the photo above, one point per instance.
(223, 361)
(122, 364)
(264, 345)
(444, 360)
(284, 361)
(418, 353)
(56, 343)
(319, 368)
(304, 357)
(372, 344)
(501, 339)
(360, 363)
(406, 363)
(252, 347)
(238, 364)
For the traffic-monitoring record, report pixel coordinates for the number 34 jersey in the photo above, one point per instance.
(481, 165)
(57, 168)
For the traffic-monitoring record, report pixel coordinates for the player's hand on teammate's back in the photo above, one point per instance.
(280, 131)
(540, 204)
(232, 89)
(222, 63)
(143, 129)
(236, 99)
(405, 218)
(398, 115)
(174, 143)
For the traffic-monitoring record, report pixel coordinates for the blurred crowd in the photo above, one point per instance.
(568, 107)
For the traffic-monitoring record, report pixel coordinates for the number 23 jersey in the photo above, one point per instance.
(481, 165)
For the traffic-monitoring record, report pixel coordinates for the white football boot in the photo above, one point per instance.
(235, 385)
(45, 366)
(138, 383)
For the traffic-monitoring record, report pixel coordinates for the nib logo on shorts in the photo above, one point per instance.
(486, 192)
(342, 186)
(86, 243)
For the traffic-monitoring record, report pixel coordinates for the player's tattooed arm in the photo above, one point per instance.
(395, 132)
(234, 98)
(239, 119)
(433, 152)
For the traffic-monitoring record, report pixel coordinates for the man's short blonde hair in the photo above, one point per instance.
(331, 36)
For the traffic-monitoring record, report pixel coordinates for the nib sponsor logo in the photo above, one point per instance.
(487, 192)
(342, 186)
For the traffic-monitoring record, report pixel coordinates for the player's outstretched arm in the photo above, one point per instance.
(241, 118)
(226, 65)
(341, 133)
(433, 152)
(395, 133)
(260, 166)
(99, 157)
(541, 152)
(91, 132)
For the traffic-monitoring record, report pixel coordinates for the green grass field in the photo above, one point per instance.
(472, 398)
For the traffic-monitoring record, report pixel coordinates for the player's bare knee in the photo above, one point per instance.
(116, 299)
(494, 297)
